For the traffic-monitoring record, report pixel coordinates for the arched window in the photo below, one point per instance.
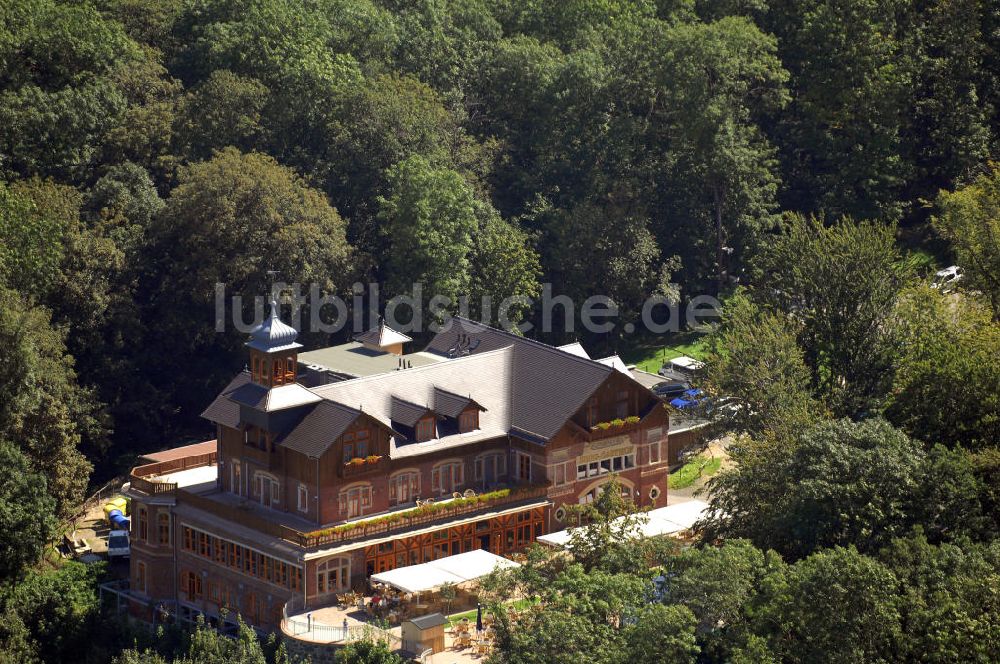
(490, 467)
(594, 492)
(447, 476)
(333, 575)
(404, 487)
(354, 500)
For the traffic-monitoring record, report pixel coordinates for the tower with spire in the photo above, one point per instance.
(273, 351)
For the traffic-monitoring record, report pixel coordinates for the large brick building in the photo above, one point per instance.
(351, 460)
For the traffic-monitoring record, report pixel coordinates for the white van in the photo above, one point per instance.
(118, 545)
(682, 366)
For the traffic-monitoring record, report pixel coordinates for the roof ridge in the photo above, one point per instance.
(535, 342)
(424, 367)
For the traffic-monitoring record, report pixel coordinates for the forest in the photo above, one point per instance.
(810, 162)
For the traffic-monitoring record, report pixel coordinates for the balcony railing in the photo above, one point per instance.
(406, 519)
(143, 478)
(255, 517)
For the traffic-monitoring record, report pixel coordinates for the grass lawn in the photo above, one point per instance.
(702, 465)
(471, 614)
(651, 357)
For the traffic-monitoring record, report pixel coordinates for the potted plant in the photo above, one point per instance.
(373, 458)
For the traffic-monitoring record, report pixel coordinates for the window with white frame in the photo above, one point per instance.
(490, 467)
(653, 437)
(523, 466)
(355, 500)
(266, 489)
(447, 477)
(236, 479)
(595, 493)
(333, 575)
(614, 464)
(303, 498)
(404, 487)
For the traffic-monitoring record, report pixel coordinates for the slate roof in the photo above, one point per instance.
(315, 432)
(269, 400)
(548, 384)
(450, 404)
(222, 410)
(523, 387)
(404, 396)
(406, 412)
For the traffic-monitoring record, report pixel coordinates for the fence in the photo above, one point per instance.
(305, 628)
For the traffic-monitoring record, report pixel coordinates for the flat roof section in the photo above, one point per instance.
(196, 480)
(175, 453)
(354, 359)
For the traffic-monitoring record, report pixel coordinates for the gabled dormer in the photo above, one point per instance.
(383, 339)
(461, 412)
(419, 422)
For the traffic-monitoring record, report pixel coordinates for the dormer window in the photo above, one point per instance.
(425, 429)
(468, 421)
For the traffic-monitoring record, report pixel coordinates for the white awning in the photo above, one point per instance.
(662, 521)
(456, 569)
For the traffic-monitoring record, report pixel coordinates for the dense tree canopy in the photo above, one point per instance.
(805, 149)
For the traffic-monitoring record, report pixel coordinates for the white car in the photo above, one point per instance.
(118, 544)
(945, 280)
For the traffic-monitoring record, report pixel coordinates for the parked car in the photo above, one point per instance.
(946, 279)
(670, 389)
(118, 545)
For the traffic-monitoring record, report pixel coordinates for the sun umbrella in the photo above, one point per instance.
(479, 617)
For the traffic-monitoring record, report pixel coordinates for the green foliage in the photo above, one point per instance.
(53, 615)
(834, 606)
(42, 408)
(754, 360)
(429, 216)
(970, 219)
(230, 220)
(663, 634)
(366, 652)
(26, 514)
(835, 484)
(610, 539)
(947, 381)
(504, 266)
(32, 249)
(841, 284)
